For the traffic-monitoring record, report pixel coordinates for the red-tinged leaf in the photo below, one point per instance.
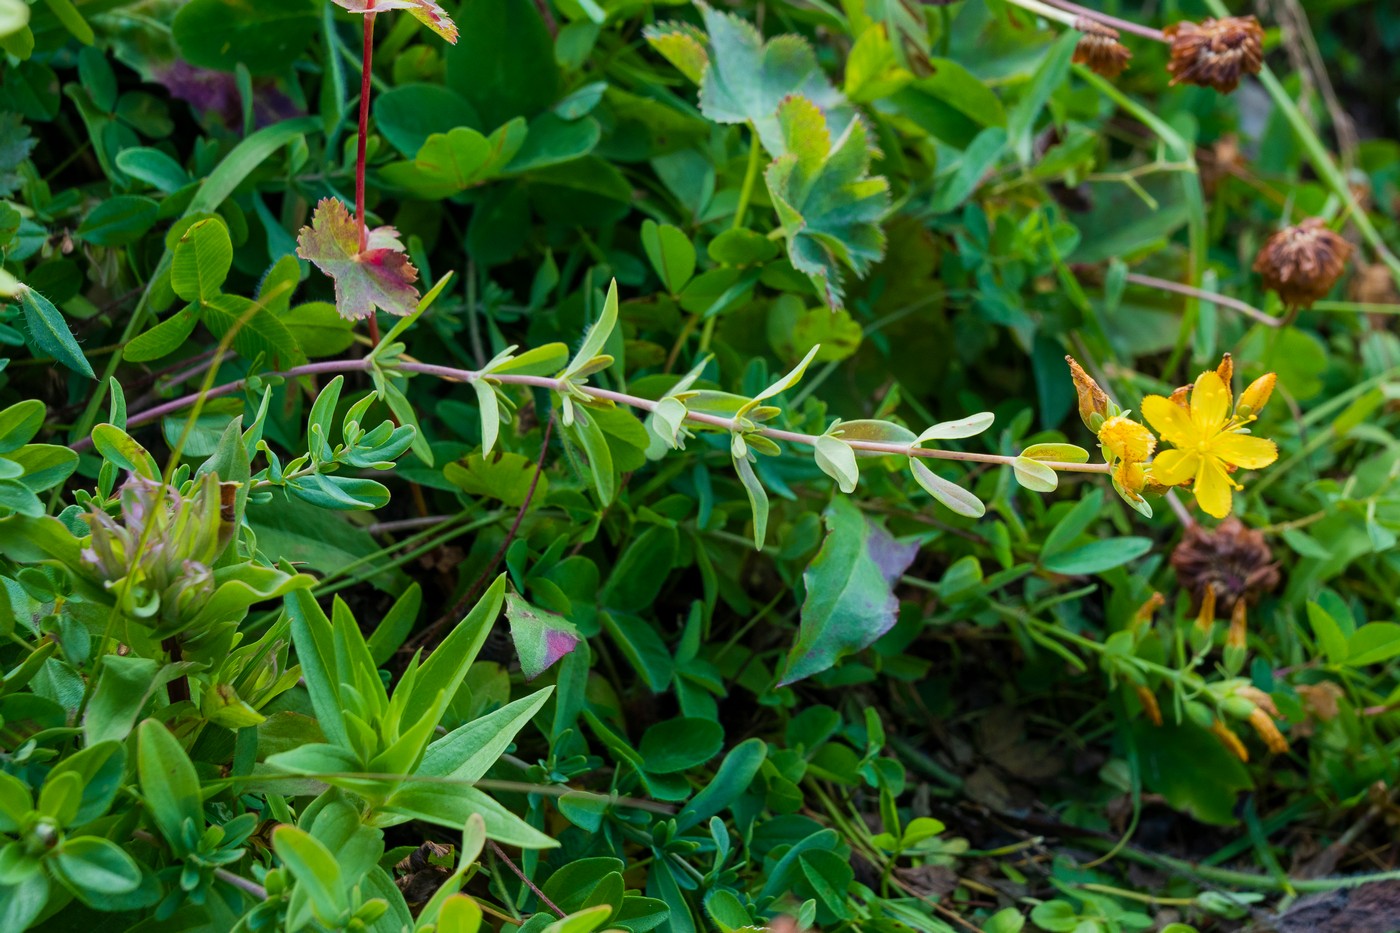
(541, 637)
(380, 276)
(426, 12)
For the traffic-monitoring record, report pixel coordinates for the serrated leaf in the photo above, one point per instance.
(746, 79)
(427, 12)
(829, 207)
(379, 276)
(947, 492)
(1034, 475)
(541, 638)
(682, 45)
(963, 427)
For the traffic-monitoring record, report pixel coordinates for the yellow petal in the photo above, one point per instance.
(1170, 420)
(1213, 488)
(1244, 450)
(1210, 403)
(1174, 467)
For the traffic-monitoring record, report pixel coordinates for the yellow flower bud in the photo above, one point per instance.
(1235, 637)
(1126, 439)
(1205, 619)
(1131, 477)
(1264, 725)
(1257, 395)
(1226, 369)
(1148, 699)
(1229, 740)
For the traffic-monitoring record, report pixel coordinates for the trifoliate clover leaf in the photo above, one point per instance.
(426, 12)
(744, 79)
(380, 275)
(829, 207)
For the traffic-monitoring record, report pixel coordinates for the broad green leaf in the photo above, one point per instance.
(965, 427)
(119, 221)
(837, 460)
(49, 332)
(169, 783)
(541, 638)
(678, 745)
(255, 329)
(20, 423)
(501, 86)
(163, 339)
(203, 257)
(1034, 475)
(850, 600)
(947, 492)
(97, 867)
(450, 805)
(120, 448)
(265, 36)
(1191, 769)
(469, 751)
(1056, 453)
(1373, 643)
(734, 777)
(1097, 556)
(829, 207)
(1329, 635)
(671, 253)
(314, 868)
(451, 162)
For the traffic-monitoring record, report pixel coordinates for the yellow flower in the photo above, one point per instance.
(1208, 441)
(1127, 440)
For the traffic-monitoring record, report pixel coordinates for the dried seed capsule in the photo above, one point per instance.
(1303, 262)
(1216, 52)
(1100, 49)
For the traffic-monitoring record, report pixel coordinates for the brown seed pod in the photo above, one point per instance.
(1100, 49)
(1216, 52)
(1303, 262)
(1233, 560)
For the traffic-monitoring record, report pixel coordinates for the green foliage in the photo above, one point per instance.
(602, 590)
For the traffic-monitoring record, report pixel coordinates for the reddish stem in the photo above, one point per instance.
(366, 64)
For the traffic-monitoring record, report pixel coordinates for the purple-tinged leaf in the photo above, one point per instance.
(380, 275)
(850, 597)
(427, 12)
(540, 637)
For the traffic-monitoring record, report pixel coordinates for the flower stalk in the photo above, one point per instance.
(366, 65)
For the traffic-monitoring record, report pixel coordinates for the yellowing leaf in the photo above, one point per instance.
(378, 276)
(426, 12)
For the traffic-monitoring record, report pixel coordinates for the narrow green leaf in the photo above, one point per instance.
(1034, 475)
(50, 333)
(947, 492)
